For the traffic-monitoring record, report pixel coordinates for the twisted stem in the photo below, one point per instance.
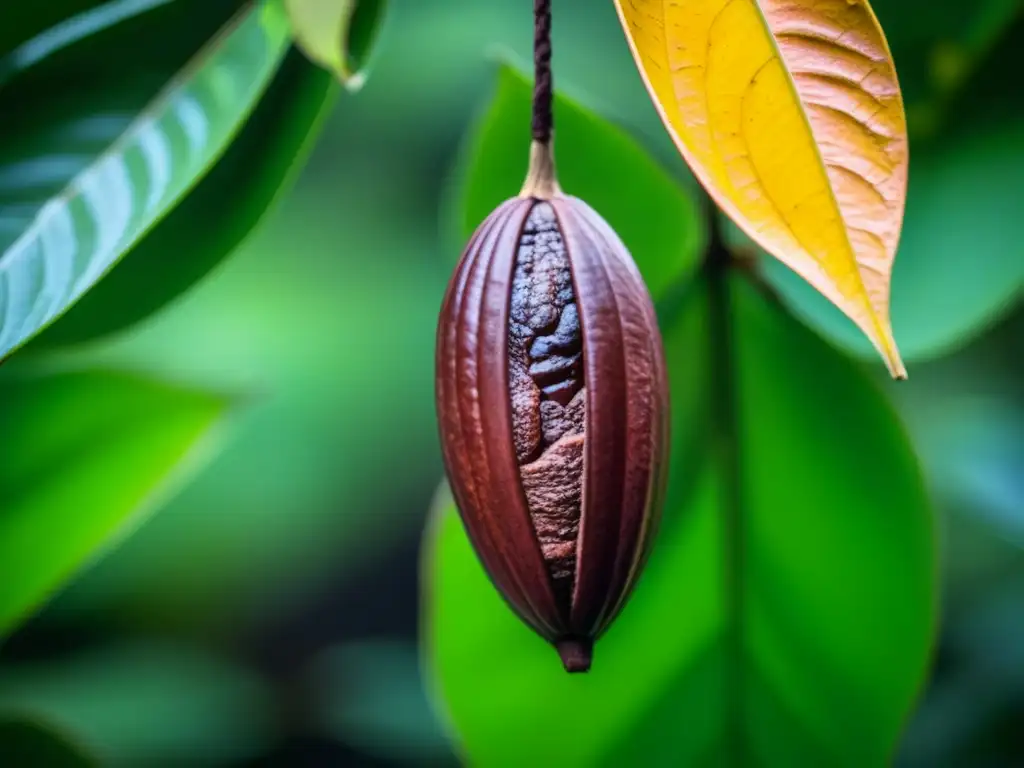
(543, 119)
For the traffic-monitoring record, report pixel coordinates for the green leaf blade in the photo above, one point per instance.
(90, 452)
(169, 260)
(841, 568)
(78, 234)
(765, 635)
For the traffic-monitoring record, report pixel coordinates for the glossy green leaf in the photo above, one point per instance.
(790, 599)
(656, 218)
(86, 456)
(337, 34)
(88, 170)
(146, 704)
(30, 744)
(280, 133)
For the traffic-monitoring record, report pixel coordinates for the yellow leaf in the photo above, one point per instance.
(790, 114)
(335, 34)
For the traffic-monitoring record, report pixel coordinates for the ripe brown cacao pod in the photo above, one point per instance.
(552, 404)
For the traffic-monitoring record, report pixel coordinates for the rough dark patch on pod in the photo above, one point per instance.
(553, 410)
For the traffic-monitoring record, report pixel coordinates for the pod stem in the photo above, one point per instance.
(541, 180)
(543, 87)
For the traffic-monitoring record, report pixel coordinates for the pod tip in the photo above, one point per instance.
(576, 653)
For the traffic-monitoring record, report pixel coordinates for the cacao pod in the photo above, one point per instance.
(552, 403)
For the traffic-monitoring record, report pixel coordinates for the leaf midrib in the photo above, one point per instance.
(725, 433)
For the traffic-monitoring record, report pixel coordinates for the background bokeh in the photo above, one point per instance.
(267, 615)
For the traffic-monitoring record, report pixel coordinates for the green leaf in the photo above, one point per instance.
(143, 704)
(337, 34)
(280, 133)
(790, 598)
(118, 140)
(656, 218)
(88, 454)
(30, 744)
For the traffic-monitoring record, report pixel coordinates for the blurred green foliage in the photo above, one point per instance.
(279, 583)
(26, 742)
(145, 703)
(370, 694)
(89, 441)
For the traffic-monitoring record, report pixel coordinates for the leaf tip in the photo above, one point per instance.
(891, 355)
(353, 82)
(876, 324)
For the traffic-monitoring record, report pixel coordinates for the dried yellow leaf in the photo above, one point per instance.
(790, 114)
